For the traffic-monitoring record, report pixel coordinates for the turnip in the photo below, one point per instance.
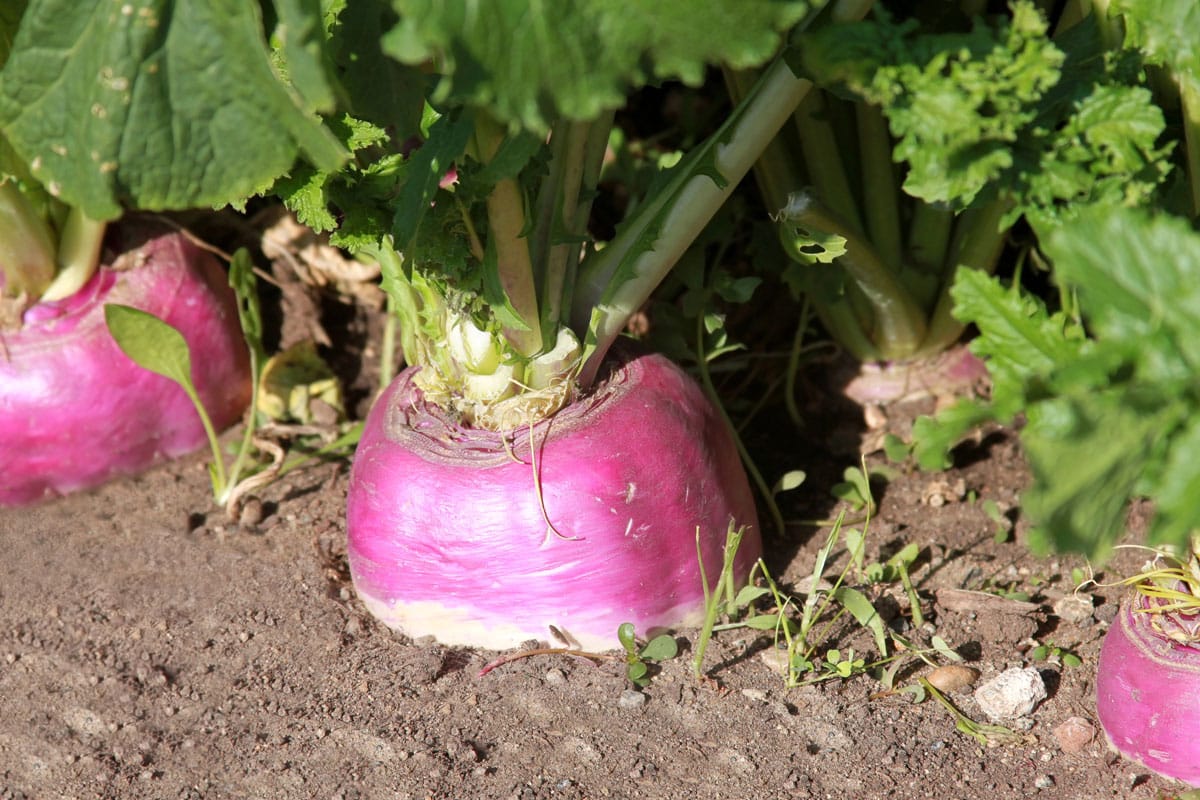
(506, 309)
(583, 521)
(1148, 676)
(75, 411)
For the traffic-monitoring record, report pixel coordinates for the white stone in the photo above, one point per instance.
(1012, 694)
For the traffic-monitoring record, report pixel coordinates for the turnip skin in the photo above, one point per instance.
(447, 537)
(1148, 696)
(76, 412)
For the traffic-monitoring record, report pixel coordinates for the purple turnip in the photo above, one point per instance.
(1148, 687)
(75, 411)
(583, 521)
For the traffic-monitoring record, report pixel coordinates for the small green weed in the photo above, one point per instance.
(640, 661)
(1049, 651)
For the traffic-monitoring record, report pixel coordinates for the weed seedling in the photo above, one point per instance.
(982, 732)
(639, 660)
(1049, 651)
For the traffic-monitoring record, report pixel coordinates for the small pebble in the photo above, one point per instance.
(775, 658)
(1074, 734)
(555, 677)
(1012, 694)
(952, 677)
(1074, 609)
(631, 698)
(1044, 782)
(757, 695)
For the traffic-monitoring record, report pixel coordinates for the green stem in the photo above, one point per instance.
(777, 171)
(793, 366)
(506, 232)
(823, 159)
(387, 355)
(747, 460)
(622, 276)
(978, 242)
(26, 245)
(899, 324)
(928, 240)
(929, 236)
(562, 215)
(78, 254)
(879, 192)
(1189, 95)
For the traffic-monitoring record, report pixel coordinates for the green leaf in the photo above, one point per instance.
(151, 343)
(958, 103)
(154, 104)
(748, 594)
(789, 481)
(864, 612)
(532, 63)
(1136, 279)
(896, 449)
(300, 37)
(637, 673)
(763, 622)
(245, 286)
(660, 648)
(159, 347)
(1088, 452)
(447, 142)
(10, 16)
(1018, 338)
(627, 636)
(1165, 30)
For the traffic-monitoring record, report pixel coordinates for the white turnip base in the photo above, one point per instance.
(954, 372)
(459, 627)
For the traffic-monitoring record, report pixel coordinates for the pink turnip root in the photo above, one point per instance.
(1148, 689)
(75, 411)
(451, 535)
(953, 372)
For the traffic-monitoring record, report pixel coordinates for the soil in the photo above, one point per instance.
(152, 648)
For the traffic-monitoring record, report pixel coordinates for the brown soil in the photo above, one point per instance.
(151, 649)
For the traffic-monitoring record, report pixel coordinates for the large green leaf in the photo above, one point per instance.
(1088, 453)
(157, 103)
(1138, 279)
(1166, 31)
(529, 62)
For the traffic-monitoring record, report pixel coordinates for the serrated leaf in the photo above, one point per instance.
(448, 138)
(1018, 337)
(1088, 453)
(1136, 279)
(154, 104)
(1165, 30)
(531, 63)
